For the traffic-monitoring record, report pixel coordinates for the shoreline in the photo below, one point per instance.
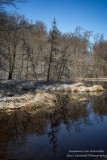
(29, 94)
(91, 80)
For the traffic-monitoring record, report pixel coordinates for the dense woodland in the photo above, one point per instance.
(30, 51)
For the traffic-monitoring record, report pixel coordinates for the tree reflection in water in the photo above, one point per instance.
(99, 107)
(15, 128)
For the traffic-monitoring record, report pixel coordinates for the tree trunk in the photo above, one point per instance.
(49, 67)
(11, 65)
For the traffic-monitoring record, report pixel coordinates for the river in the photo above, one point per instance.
(74, 130)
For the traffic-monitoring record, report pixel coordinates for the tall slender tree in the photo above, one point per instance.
(54, 46)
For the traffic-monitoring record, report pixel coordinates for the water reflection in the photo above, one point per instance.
(46, 135)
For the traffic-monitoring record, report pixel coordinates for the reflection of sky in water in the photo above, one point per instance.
(75, 126)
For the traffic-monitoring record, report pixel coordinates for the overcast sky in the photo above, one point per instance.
(89, 14)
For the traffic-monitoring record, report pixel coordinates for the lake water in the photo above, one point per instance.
(75, 130)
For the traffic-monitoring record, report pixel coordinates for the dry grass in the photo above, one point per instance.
(76, 90)
(68, 89)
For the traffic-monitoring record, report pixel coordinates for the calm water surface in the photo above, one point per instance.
(73, 129)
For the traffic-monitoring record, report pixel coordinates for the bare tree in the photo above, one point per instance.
(9, 2)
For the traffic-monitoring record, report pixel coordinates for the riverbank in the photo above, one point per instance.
(31, 94)
(91, 80)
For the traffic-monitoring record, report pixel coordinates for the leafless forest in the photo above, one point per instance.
(30, 51)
